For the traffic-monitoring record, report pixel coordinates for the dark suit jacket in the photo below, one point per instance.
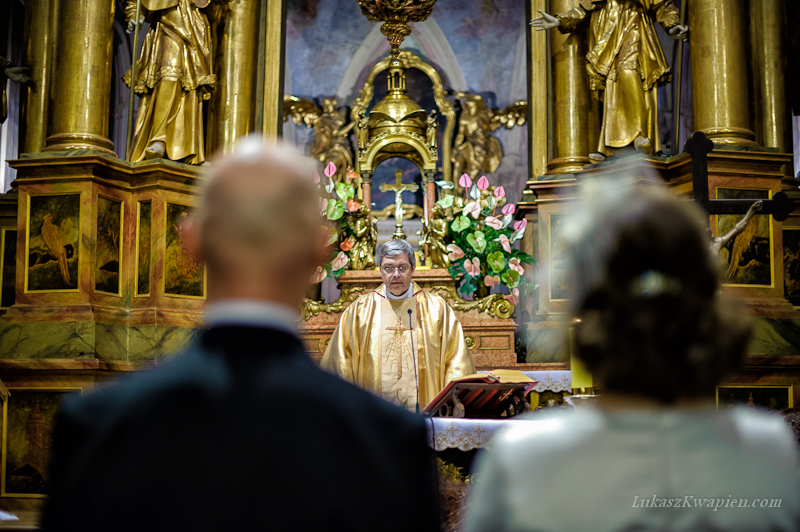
(243, 432)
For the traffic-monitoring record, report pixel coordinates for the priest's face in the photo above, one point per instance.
(396, 274)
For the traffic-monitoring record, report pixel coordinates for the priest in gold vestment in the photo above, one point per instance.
(372, 345)
(174, 75)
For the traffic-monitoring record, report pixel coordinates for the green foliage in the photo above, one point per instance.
(335, 209)
(480, 241)
(477, 241)
(497, 261)
(460, 223)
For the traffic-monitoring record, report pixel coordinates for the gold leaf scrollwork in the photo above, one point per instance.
(470, 341)
(309, 308)
(495, 305)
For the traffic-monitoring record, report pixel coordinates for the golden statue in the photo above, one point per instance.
(365, 233)
(434, 233)
(625, 64)
(331, 140)
(477, 151)
(174, 75)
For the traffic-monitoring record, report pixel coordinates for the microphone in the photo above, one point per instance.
(414, 357)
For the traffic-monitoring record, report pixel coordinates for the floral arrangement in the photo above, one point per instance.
(482, 237)
(337, 199)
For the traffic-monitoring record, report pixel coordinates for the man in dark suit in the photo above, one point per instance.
(243, 431)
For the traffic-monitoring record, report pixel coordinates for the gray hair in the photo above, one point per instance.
(393, 248)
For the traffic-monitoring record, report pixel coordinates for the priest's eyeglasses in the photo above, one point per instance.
(389, 270)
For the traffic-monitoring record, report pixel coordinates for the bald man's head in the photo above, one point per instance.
(258, 221)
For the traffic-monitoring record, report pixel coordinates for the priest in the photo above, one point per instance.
(398, 341)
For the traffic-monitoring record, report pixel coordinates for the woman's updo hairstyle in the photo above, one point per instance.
(647, 294)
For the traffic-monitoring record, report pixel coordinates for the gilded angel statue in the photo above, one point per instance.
(331, 140)
(365, 238)
(476, 150)
(434, 234)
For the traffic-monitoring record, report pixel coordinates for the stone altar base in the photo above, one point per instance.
(488, 327)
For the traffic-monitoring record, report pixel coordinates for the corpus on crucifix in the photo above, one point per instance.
(398, 189)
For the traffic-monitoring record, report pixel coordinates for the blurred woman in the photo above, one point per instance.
(653, 453)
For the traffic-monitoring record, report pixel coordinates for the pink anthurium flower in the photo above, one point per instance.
(348, 244)
(465, 181)
(352, 175)
(494, 223)
(330, 169)
(491, 280)
(505, 242)
(513, 297)
(317, 178)
(521, 225)
(323, 204)
(499, 192)
(483, 183)
(455, 252)
(473, 208)
(516, 265)
(509, 208)
(473, 267)
(340, 261)
(318, 275)
(353, 205)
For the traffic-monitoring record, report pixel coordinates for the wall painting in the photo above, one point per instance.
(766, 397)
(52, 247)
(747, 259)
(183, 276)
(108, 255)
(28, 417)
(8, 266)
(144, 223)
(791, 264)
(559, 269)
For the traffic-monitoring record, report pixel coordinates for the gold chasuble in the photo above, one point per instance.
(371, 346)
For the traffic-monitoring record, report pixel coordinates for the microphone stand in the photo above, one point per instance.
(414, 357)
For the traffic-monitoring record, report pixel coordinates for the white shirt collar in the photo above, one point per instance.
(409, 292)
(252, 312)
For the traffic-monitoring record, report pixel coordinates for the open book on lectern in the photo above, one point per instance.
(499, 393)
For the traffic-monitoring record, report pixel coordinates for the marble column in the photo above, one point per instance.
(41, 26)
(233, 105)
(82, 80)
(721, 103)
(571, 97)
(769, 60)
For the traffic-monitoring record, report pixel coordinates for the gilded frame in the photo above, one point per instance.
(136, 293)
(4, 456)
(788, 387)
(28, 242)
(120, 245)
(3, 235)
(552, 254)
(796, 230)
(167, 222)
(770, 231)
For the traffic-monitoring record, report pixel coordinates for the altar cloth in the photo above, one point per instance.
(463, 434)
(553, 381)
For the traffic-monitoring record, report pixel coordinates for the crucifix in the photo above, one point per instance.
(398, 347)
(699, 146)
(398, 189)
